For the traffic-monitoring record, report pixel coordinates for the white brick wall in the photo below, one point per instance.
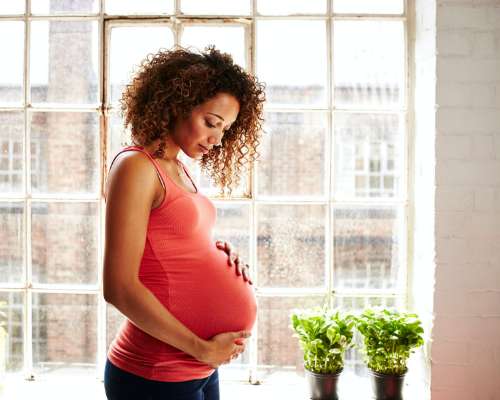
(465, 346)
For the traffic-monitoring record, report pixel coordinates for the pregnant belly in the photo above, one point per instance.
(209, 298)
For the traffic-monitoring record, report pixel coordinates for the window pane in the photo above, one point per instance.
(125, 59)
(64, 333)
(291, 245)
(290, 7)
(118, 136)
(358, 304)
(11, 151)
(369, 64)
(64, 6)
(368, 6)
(65, 152)
(11, 67)
(114, 320)
(11, 242)
(293, 155)
(60, 73)
(368, 155)
(11, 331)
(233, 225)
(277, 348)
(219, 7)
(121, 7)
(228, 38)
(12, 7)
(292, 79)
(64, 242)
(367, 248)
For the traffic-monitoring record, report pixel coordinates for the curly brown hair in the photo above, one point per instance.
(170, 83)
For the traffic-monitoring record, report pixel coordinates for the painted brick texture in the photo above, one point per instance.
(466, 336)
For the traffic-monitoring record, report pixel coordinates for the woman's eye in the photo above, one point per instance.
(209, 124)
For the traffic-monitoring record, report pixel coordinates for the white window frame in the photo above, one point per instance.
(28, 288)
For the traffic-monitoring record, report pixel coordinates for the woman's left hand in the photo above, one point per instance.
(234, 260)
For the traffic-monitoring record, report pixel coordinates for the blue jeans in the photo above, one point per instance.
(122, 385)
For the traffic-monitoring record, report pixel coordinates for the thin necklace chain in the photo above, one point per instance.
(183, 176)
(180, 169)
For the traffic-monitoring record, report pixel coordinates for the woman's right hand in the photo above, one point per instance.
(224, 347)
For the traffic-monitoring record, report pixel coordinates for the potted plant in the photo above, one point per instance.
(389, 337)
(324, 336)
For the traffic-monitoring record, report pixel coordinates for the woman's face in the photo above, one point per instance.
(206, 125)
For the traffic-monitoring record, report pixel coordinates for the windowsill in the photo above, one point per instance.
(279, 385)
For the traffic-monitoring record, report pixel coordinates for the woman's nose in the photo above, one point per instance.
(214, 140)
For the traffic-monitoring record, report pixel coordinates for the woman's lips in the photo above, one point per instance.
(204, 150)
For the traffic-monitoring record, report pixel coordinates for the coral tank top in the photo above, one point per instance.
(189, 275)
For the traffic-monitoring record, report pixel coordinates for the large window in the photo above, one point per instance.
(323, 210)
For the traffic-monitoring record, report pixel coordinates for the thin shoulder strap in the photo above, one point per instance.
(159, 171)
(188, 174)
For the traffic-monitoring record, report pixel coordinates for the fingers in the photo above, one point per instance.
(235, 353)
(233, 259)
(242, 334)
(243, 269)
(239, 348)
(226, 247)
(238, 266)
(225, 347)
(246, 274)
(239, 340)
(234, 356)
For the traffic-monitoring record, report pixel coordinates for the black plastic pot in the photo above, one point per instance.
(387, 387)
(323, 386)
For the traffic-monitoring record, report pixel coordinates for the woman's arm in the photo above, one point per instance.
(130, 194)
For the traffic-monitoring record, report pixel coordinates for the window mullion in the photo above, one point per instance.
(254, 343)
(330, 154)
(103, 50)
(253, 348)
(28, 312)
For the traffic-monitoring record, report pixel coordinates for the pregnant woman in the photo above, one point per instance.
(187, 311)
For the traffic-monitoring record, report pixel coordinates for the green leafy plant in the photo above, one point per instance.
(389, 338)
(324, 336)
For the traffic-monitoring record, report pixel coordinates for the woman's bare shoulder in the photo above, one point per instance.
(132, 170)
